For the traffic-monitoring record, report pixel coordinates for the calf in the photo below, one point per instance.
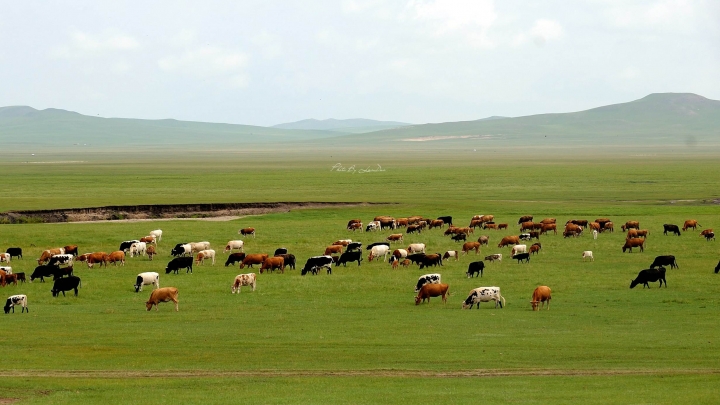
(14, 252)
(535, 248)
(540, 296)
(432, 290)
(668, 260)
(4, 257)
(475, 268)
(205, 254)
(671, 228)
(234, 245)
(150, 252)
(273, 263)
(179, 263)
(649, 275)
(243, 280)
(347, 257)
(484, 294)
(588, 254)
(164, 294)
(234, 258)
(148, 278)
(522, 256)
(65, 284)
(396, 237)
(433, 278)
(13, 300)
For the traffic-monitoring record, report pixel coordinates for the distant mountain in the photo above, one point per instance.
(354, 125)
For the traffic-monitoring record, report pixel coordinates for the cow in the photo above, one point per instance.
(147, 278)
(354, 227)
(635, 242)
(396, 237)
(60, 272)
(353, 221)
(416, 258)
(13, 300)
(273, 263)
(65, 284)
(549, 221)
(525, 218)
(588, 254)
(690, 223)
(432, 278)
(47, 254)
(489, 225)
(341, 242)
(5, 257)
(164, 294)
(64, 259)
(436, 223)
(630, 225)
(431, 260)
(508, 241)
(243, 280)
(609, 226)
(43, 271)
(234, 258)
(483, 240)
(573, 228)
(468, 246)
(535, 248)
(196, 247)
(475, 268)
(492, 258)
(668, 260)
(179, 263)
(451, 253)
(402, 222)
(247, 231)
(540, 296)
(387, 223)
(522, 256)
(234, 245)
(581, 222)
(452, 230)
(502, 226)
(461, 237)
(707, 231)
(205, 254)
(636, 233)
(150, 251)
(372, 226)
(353, 246)
(372, 245)
(484, 294)
(20, 276)
(347, 257)
(333, 249)
(709, 236)
(116, 257)
(475, 223)
(416, 248)
(548, 227)
(671, 228)
(157, 234)
(432, 290)
(252, 259)
(602, 222)
(125, 245)
(527, 226)
(289, 260)
(525, 236)
(518, 249)
(181, 249)
(315, 263)
(446, 220)
(570, 234)
(595, 226)
(413, 228)
(138, 249)
(14, 252)
(10, 278)
(148, 239)
(649, 275)
(379, 250)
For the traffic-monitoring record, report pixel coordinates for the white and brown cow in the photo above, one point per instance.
(241, 280)
(234, 245)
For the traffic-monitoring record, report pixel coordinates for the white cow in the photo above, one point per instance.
(13, 300)
(379, 250)
(234, 244)
(148, 278)
(244, 280)
(66, 259)
(198, 246)
(451, 253)
(432, 278)
(595, 234)
(157, 234)
(6, 269)
(373, 226)
(416, 248)
(484, 294)
(205, 254)
(4, 257)
(401, 252)
(586, 254)
(518, 249)
(138, 249)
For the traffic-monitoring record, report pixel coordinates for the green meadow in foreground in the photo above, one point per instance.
(356, 336)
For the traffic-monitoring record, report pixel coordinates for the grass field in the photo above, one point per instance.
(356, 336)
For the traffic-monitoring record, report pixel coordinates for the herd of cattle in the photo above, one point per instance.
(58, 262)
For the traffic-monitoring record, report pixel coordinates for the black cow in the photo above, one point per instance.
(665, 261)
(43, 271)
(717, 268)
(347, 257)
(416, 258)
(353, 246)
(370, 246)
(65, 284)
(534, 234)
(125, 246)
(315, 263)
(280, 251)
(14, 252)
(671, 228)
(709, 236)
(20, 276)
(178, 250)
(475, 267)
(431, 260)
(57, 260)
(180, 263)
(447, 220)
(522, 256)
(234, 258)
(289, 260)
(60, 272)
(461, 237)
(649, 275)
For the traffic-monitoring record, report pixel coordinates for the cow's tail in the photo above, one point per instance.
(80, 283)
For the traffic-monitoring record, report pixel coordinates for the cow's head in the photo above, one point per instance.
(148, 305)
(418, 300)
(137, 287)
(633, 283)
(534, 305)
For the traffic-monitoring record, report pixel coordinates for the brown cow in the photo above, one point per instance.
(636, 233)
(573, 228)
(526, 225)
(436, 223)
(148, 239)
(432, 290)
(11, 279)
(609, 227)
(706, 232)
(540, 296)
(255, 258)
(272, 263)
(343, 242)
(452, 230)
(534, 234)
(630, 225)
(490, 226)
(466, 230)
(164, 294)
(3, 275)
(333, 249)
(502, 226)
(581, 222)
(97, 257)
(396, 237)
(548, 227)
(475, 223)
(548, 221)
(468, 246)
(602, 222)
(353, 221)
(115, 257)
(487, 218)
(484, 240)
(414, 219)
(691, 223)
(150, 251)
(525, 218)
(509, 240)
(401, 222)
(535, 248)
(405, 263)
(71, 250)
(595, 226)
(247, 231)
(47, 254)
(354, 227)
(82, 257)
(635, 242)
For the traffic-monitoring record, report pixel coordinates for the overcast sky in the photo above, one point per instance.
(267, 62)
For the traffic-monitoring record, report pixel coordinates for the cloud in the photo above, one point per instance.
(82, 44)
(542, 31)
(471, 19)
(666, 13)
(209, 63)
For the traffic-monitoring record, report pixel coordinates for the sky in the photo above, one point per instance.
(417, 61)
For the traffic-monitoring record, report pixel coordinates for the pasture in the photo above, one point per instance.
(356, 336)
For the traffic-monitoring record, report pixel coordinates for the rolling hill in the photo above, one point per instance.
(355, 125)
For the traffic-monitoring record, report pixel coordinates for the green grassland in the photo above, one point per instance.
(356, 336)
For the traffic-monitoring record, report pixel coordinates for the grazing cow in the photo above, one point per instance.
(353, 221)
(484, 240)
(432, 290)
(234, 258)
(379, 250)
(540, 296)
(527, 226)
(502, 226)
(489, 225)
(353, 246)
(522, 256)
(602, 222)
(148, 239)
(535, 248)
(475, 223)
(588, 254)
(468, 246)
(475, 268)
(372, 226)
(181, 249)
(252, 259)
(668, 260)
(247, 231)
(147, 278)
(333, 249)
(413, 229)
(164, 294)
(138, 249)
(451, 253)
(402, 222)
(461, 237)
(690, 223)
(446, 220)
(396, 237)
(525, 236)
(573, 228)
(649, 275)
(234, 245)
(116, 257)
(354, 227)
(436, 223)
(508, 241)
(608, 227)
(548, 227)
(157, 234)
(635, 242)
(205, 254)
(244, 280)
(273, 263)
(59, 273)
(431, 260)
(179, 263)
(20, 276)
(289, 260)
(13, 300)
(706, 231)
(630, 225)
(518, 249)
(452, 230)
(315, 263)
(372, 245)
(405, 263)
(150, 252)
(709, 236)
(348, 257)
(5, 257)
(341, 242)
(43, 271)
(125, 245)
(671, 228)
(595, 226)
(492, 258)
(14, 252)
(64, 259)
(432, 278)
(416, 248)
(570, 234)
(484, 294)
(525, 218)
(65, 284)
(47, 254)
(10, 278)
